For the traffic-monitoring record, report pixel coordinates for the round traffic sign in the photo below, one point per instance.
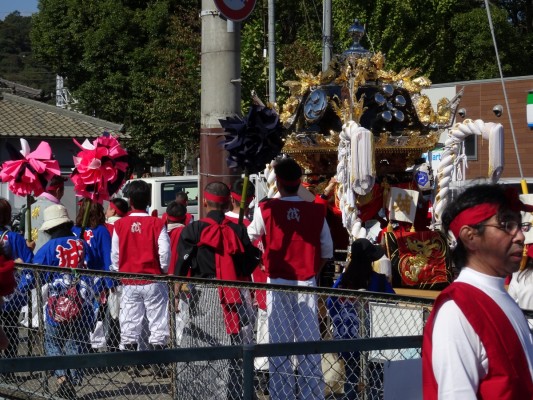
(235, 10)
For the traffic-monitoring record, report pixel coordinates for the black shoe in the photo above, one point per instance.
(66, 390)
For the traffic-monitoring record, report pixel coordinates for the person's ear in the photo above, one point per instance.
(468, 236)
(205, 203)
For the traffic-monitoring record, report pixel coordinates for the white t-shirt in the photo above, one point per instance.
(459, 359)
(521, 290)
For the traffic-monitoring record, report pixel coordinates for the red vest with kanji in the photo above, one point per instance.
(293, 230)
(138, 248)
(508, 376)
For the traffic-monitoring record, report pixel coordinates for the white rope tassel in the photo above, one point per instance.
(451, 161)
(496, 154)
(362, 166)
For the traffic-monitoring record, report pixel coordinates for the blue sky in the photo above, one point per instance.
(25, 7)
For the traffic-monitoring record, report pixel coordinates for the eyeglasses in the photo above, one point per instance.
(512, 227)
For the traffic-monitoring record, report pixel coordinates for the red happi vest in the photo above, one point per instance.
(508, 376)
(174, 239)
(225, 243)
(293, 228)
(138, 247)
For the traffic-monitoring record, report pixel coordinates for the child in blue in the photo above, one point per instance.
(344, 312)
(15, 248)
(70, 336)
(97, 236)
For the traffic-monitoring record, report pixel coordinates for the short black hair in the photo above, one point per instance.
(176, 210)
(237, 188)
(182, 196)
(288, 170)
(218, 189)
(139, 194)
(121, 204)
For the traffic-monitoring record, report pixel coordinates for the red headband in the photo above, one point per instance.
(237, 197)
(216, 199)
(114, 207)
(55, 187)
(473, 216)
(175, 219)
(284, 182)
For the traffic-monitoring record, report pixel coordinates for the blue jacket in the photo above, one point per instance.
(69, 252)
(16, 247)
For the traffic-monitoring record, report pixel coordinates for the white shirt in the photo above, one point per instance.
(257, 229)
(459, 359)
(163, 242)
(521, 290)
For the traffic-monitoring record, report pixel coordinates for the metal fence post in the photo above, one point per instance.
(173, 342)
(248, 351)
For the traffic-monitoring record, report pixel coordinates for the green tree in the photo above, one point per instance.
(16, 58)
(120, 61)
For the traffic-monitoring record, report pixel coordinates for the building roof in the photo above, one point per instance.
(22, 117)
(22, 90)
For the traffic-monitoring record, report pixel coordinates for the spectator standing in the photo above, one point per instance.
(140, 244)
(521, 286)
(53, 195)
(7, 286)
(116, 209)
(66, 333)
(344, 312)
(297, 244)
(181, 198)
(175, 223)
(476, 341)
(15, 247)
(98, 240)
(215, 248)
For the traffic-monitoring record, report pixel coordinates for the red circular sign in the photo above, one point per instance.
(235, 10)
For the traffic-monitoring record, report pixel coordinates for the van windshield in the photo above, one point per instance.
(169, 190)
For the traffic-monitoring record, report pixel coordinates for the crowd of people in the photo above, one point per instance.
(477, 341)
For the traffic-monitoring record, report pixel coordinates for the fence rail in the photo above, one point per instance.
(190, 354)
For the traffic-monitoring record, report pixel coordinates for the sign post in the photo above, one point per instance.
(235, 10)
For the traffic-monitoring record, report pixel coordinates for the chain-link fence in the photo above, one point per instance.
(56, 313)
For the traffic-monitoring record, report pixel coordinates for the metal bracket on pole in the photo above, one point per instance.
(205, 13)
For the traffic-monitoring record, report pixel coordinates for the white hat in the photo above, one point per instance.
(54, 215)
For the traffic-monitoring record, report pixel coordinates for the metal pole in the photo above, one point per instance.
(326, 34)
(220, 91)
(271, 52)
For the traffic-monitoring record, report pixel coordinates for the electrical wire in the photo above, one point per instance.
(489, 16)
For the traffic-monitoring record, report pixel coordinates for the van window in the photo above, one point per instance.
(169, 190)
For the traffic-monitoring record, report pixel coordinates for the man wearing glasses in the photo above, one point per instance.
(477, 344)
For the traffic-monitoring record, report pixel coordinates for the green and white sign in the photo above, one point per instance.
(530, 109)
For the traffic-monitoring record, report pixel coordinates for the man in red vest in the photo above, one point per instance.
(477, 344)
(218, 249)
(297, 243)
(140, 244)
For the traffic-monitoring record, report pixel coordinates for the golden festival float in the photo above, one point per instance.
(368, 128)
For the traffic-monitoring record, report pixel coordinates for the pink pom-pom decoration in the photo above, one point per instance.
(28, 172)
(99, 168)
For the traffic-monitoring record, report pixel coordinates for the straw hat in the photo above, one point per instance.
(53, 216)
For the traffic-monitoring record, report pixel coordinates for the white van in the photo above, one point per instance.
(164, 189)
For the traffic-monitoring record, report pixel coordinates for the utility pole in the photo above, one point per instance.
(271, 52)
(220, 92)
(326, 34)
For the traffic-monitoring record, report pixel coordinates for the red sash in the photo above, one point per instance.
(508, 376)
(225, 243)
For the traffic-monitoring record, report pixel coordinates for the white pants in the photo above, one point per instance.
(140, 300)
(261, 363)
(293, 317)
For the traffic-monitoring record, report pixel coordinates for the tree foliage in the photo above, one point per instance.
(16, 58)
(131, 62)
